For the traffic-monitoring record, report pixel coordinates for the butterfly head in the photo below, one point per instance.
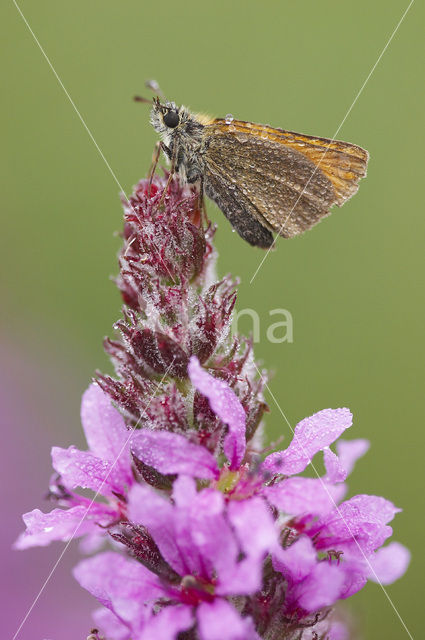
(166, 117)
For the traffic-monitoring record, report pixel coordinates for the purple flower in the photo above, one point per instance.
(215, 550)
(314, 524)
(210, 538)
(105, 469)
(312, 584)
(243, 476)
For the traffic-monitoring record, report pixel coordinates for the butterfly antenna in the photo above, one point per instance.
(154, 86)
(141, 99)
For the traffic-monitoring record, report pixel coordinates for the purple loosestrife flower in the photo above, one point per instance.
(213, 551)
(105, 469)
(210, 538)
(313, 526)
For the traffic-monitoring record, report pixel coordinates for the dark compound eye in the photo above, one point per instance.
(171, 119)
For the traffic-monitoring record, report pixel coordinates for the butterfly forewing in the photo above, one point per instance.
(290, 179)
(342, 162)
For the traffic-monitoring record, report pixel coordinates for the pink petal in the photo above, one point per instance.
(172, 453)
(297, 561)
(61, 524)
(358, 522)
(355, 571)
(389, 563)
(321, 588)
(300, 496)
(349, 451)
(239, 577)
(120, 584)
(195, 536)
(83, 469)
(219, 620)
(106, 433)
(167, 623)
(335, 471)
(149, 509)
(375, 506)
(92, 542)
(253, 524)
(208, 532)
(338, 631)
(204, 530)
(310, 436)
(257, 536)
(208, 543)
(226, 406)
(175, 527)
(184, 491)
(110, 625)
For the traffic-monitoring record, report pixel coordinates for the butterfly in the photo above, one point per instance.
(263, 179)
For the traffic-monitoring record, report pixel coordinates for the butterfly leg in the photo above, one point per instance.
(155, 158)
(201, 202)
(171, 174)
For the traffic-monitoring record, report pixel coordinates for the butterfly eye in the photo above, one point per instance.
(171, 119)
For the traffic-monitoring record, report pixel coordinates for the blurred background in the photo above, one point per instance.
(353, 285)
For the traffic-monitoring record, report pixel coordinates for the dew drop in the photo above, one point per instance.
(229, 118)
(48, 529)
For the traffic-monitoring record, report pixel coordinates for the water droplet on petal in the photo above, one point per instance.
(229, 118)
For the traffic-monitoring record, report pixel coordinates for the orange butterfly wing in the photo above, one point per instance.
(343, 163)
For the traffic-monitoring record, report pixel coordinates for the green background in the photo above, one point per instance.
(354, 285)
